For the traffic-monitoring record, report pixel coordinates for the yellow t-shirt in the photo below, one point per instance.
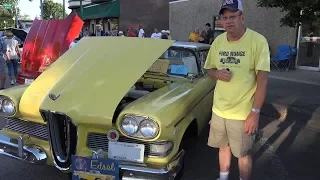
(194, 37)
(234, 99)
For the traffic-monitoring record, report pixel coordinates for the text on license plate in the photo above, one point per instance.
(28, 81)
(126, 151)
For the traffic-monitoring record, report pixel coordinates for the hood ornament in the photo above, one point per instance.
(53, 97)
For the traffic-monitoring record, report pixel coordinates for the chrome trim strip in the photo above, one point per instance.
(15, 148)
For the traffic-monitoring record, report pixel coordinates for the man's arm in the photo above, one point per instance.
(261, 91)
(212, 74)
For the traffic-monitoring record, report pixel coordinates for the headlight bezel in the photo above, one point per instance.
(139, 119)
(2, 111)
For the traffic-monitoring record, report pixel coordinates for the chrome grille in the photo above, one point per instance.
(100, 141)
(27, 127)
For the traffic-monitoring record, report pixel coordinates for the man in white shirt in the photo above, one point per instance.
(156, 34)
(141, 32)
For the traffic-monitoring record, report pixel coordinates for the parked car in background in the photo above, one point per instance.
(149, 97)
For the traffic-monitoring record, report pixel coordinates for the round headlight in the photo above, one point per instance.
(8, 106)
(130, 125)
(148, 128)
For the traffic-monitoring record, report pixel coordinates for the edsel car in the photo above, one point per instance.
(141, 101)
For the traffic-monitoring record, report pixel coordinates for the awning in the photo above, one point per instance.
(102, 10)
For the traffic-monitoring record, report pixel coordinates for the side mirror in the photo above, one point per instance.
(191, 77)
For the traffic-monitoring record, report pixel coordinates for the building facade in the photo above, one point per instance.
(185, 15)
(110, 15)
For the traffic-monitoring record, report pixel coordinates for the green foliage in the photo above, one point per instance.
(292, 8)
(7, 15)
(52, 8)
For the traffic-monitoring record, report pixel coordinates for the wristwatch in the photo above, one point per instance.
(255, 110)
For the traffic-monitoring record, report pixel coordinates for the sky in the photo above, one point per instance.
(33, 8)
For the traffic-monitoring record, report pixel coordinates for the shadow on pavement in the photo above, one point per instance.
(289, 129)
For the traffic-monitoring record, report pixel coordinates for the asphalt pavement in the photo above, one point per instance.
(285, 149)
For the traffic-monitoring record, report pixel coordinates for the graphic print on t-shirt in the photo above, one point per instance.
(231, 58)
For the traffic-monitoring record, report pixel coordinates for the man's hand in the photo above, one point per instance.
(251, 123)
(223, 75)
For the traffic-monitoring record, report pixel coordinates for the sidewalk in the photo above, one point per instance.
(303, 76)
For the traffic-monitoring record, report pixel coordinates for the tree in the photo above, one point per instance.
(310, 11)
(7, 15)
(52, 8)
(24, 17)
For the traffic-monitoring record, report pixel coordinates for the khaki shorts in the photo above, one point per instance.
(224, 132)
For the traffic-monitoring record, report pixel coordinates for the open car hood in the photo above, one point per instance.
(47, 40)
(88, 81)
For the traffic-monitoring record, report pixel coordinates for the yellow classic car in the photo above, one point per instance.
(141, 101)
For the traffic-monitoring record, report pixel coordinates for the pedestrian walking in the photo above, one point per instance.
(14, 56)
(239, 61)
(3, 65)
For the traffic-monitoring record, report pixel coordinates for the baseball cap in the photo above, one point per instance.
(233, 5)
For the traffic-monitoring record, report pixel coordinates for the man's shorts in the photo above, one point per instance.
(226, 132)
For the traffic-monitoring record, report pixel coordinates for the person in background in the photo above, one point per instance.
(86, 33)
(4, 55)
(194, 35)
(103, 33)
(203, 37)
(141, 32)
(121, 34)
(209, 32)
(114, 32)
(14, 56)
(131, 32)
(168, 33)
(164, 36)
(235, 116)
(156, 34)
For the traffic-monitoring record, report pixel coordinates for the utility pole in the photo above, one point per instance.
(81, 10)
(41, 9)
(17, 24)
(64, 9)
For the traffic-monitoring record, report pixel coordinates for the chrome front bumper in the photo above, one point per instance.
(15, 148)
(169, 172)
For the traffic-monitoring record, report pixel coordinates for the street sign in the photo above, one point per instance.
(7, 6)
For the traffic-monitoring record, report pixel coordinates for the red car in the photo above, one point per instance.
(46, 41)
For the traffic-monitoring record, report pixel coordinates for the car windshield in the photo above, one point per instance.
(176, 62)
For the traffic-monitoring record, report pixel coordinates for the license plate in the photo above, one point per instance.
(89, 168)
(126, 151)
(28, 81)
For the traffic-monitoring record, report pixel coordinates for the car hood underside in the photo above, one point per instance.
(89, 80)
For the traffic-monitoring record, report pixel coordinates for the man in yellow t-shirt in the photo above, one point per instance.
(239, 61)
(194, 36)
